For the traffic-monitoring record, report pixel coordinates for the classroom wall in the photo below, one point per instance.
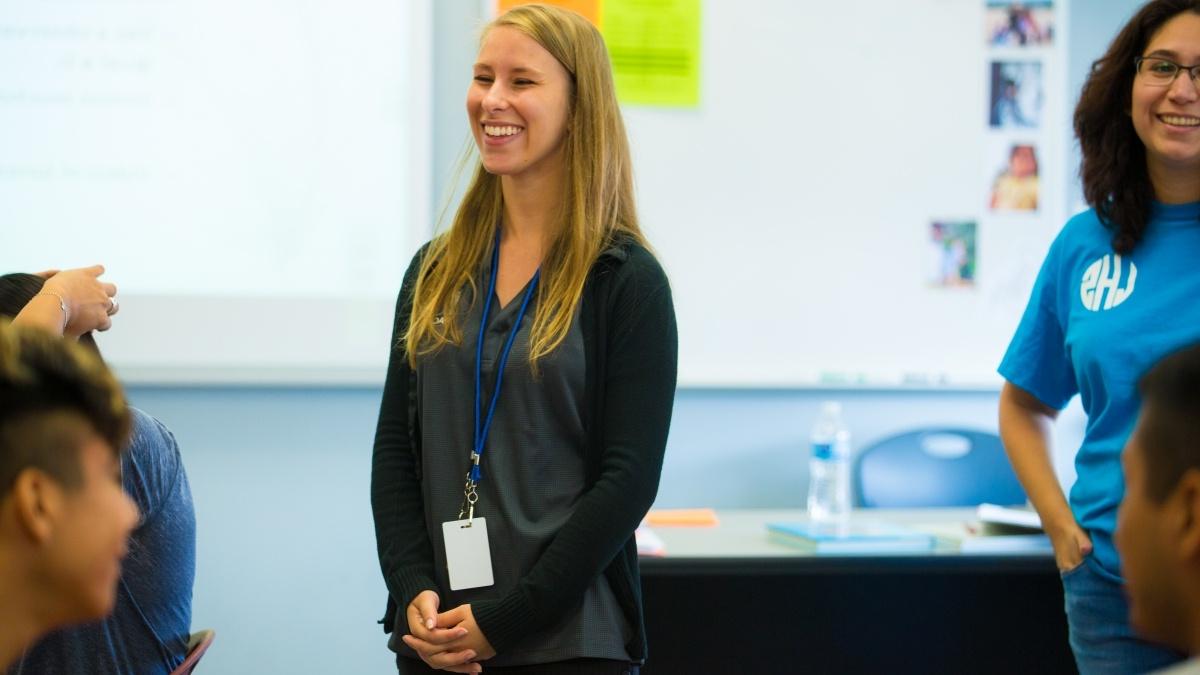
(286, 568)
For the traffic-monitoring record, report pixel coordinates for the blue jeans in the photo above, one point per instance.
(1098, 620)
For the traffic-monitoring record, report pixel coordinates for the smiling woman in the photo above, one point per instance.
(1166, 109)
(535, 317)
(519, 100)
(1115, 294)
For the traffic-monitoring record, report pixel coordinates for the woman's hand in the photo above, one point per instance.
(474, 640)
(1071, 545)
(436, 642)
(1025, 427)
(90, 302)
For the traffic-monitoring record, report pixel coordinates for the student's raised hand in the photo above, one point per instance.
(474, 640)
(432, 640)
(91, 303)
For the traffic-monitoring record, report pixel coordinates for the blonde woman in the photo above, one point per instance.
(531, 381)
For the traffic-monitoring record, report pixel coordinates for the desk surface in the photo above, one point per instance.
(940, 611)
(739, 542)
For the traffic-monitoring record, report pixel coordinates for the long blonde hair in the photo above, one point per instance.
(597, 205)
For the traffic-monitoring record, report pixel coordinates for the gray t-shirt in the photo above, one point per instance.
(533, 472)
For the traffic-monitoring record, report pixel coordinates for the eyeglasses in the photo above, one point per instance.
(1159, 72)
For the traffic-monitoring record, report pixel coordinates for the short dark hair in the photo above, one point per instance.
(53, 394)
(17, 289)
(1115, 180)
(1169, 428)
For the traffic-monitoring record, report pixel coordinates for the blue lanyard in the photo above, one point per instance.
(481, 432)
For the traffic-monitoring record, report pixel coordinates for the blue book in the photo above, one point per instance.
(851, 537)
(1006, 543)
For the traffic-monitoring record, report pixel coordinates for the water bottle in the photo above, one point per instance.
(829, 466)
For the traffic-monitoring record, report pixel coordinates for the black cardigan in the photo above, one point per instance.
(631, 348)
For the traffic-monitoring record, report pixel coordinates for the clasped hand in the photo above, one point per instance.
(449, 641)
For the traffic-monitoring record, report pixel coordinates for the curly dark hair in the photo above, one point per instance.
(1115, 179)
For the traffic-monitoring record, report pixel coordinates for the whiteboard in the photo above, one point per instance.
(256, 186)
(792, 208)
(248, 171)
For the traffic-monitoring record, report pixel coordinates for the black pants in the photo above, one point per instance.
(409, 666)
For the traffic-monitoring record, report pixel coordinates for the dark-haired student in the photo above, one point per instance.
(148, 630)
(64, 519)
(1158, 524)
(1117, 291)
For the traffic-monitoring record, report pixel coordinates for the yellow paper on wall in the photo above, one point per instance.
(655, 49)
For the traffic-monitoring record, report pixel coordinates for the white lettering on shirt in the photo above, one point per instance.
(1102, 288)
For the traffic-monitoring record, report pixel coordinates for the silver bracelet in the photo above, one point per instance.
(62, 304)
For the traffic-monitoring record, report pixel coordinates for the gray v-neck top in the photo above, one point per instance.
(533, 471)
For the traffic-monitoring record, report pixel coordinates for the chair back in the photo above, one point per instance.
(197, 645)
(936, 467)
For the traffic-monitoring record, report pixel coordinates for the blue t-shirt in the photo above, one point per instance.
(148, 630)
(1096, 322)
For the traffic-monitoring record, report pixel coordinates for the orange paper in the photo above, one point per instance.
(682, 518)
(590, 9)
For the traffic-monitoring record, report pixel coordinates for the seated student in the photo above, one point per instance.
(149, 627)
(64, 519)
(1158, 524)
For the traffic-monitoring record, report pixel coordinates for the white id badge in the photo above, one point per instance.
(468, 556)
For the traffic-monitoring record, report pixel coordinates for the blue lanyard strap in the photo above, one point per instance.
(481, 432)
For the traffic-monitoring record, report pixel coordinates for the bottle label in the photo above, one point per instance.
(822, 451)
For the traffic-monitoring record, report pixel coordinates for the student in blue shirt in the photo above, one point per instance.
(1118, 290)
(64, 519)
(149, 627)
